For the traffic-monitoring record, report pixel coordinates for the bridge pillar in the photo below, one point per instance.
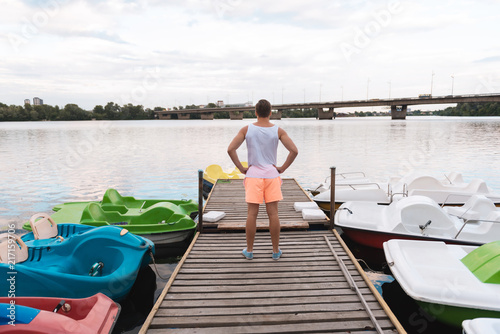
(183, 116)
(164, 116)
(207, 115)
(398, 114)
(276, 114)
(328, 114)
(238, 114)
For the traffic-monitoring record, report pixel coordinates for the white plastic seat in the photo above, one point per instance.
(455, 178)
(477, 207)
(313, 214)
(477, 186)
(43, 226)
(299, 206)
(12, 255)
(213, 216)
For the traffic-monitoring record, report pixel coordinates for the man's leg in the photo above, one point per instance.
(274, 224)
(251, 225)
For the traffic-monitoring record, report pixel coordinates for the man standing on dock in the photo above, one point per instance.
(262, 177)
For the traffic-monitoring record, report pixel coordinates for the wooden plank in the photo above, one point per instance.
(316, 327)
(268, 294)
(178, 303)
(261, 226)
(264, 263)
(210, 321)
(276, 274)
(268, 309)
(256, 281)
(261, 288)
(242, 270)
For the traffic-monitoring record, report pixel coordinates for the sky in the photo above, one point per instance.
(179, 52)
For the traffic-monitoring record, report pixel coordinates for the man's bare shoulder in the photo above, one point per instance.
(244, 130)
(281, 132)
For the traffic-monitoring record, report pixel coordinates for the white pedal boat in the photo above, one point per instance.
(451, 190)
(418, 217)
(481, 326)
(452, 283)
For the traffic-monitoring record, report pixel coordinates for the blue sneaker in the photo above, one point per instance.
(246, 254)
(276, 256)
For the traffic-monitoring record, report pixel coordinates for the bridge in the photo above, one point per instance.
(326, 109)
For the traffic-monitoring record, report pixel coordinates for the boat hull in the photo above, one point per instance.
(95, 314)
(56, 268)
(169, 238)
(453, 315)
(325, 206)
(376, 239)
(207, 188)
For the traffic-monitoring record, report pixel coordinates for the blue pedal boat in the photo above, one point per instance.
(87, 261)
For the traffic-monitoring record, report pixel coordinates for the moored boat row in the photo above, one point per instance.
(71, 270)
(441, 240)
(450, 190)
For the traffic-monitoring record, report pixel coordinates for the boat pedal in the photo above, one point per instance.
(423, 227)
(96, 269)
(348, 210)
(58, 307)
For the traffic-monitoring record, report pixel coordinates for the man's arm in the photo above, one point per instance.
(290, 146)
(234, 145)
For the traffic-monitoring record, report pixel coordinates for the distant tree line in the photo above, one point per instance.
(471, 109)
(113, 111)
(72, 112)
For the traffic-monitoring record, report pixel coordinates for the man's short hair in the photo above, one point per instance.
(263, 108)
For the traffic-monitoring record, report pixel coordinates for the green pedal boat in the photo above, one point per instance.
(165, 222)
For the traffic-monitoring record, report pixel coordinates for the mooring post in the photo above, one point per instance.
(200, 200)
(332, 195)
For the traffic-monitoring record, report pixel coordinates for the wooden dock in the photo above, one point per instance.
(317, 286)
(229, 196)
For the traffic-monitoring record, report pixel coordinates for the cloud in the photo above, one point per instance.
(492, 59)
(99, 50)
(99, 34)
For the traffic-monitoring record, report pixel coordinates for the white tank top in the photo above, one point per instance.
(262, 148)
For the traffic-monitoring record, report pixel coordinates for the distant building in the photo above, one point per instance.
(220, 103)
(27, 101)
(37, 101)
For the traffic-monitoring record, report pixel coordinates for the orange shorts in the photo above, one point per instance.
(259, 190)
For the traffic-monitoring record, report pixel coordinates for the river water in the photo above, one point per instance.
(46, 163)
